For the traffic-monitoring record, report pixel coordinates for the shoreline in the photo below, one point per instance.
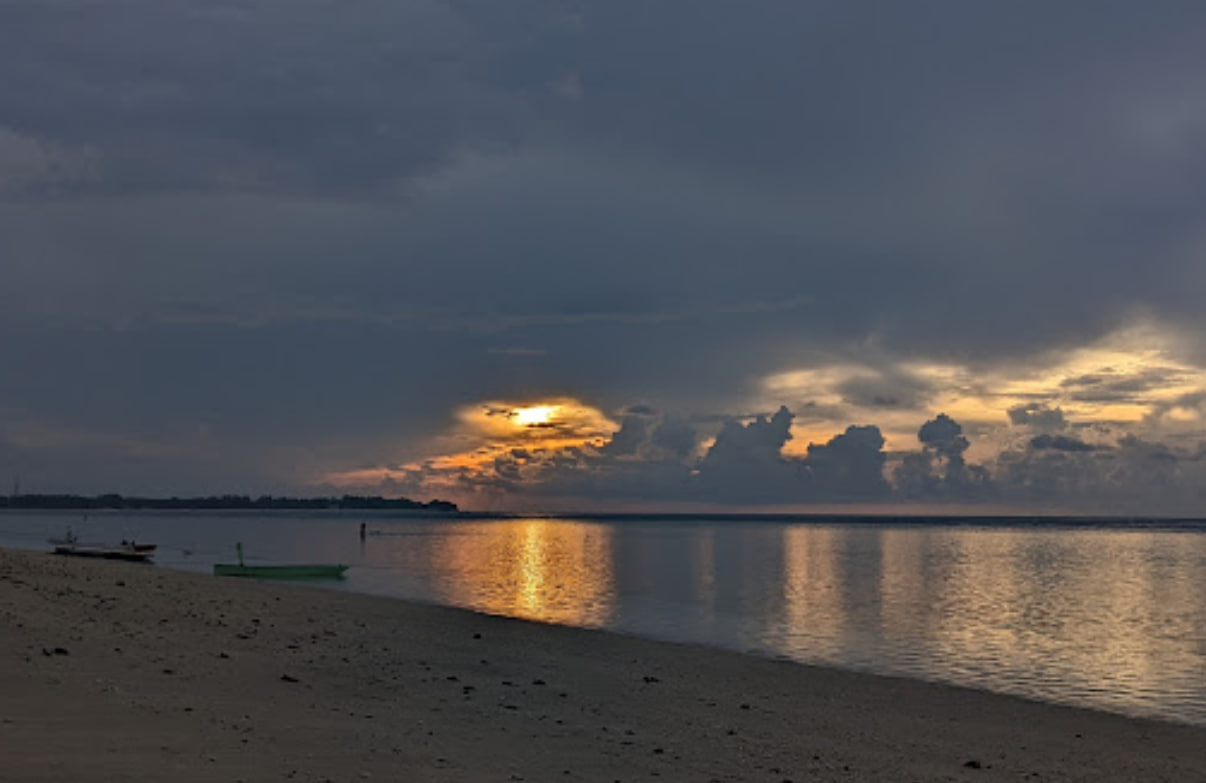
(115, 671)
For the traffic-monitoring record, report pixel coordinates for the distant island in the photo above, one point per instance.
(220, 502)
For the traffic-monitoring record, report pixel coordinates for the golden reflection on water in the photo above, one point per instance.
(811, 594)
(538, 569)
(900, 574)
(1114, 619)
(1104, 618)
(702, 563)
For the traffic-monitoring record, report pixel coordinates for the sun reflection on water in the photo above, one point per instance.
(1114, 619)
(538, 569)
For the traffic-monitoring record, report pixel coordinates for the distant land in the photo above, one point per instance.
(224, 502)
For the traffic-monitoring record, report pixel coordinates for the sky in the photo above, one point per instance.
(616, 256)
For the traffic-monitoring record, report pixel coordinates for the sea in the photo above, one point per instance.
(1105, 614)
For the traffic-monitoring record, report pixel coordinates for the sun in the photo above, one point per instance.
(537, 414)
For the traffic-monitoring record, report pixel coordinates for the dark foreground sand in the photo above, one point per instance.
(114, 672)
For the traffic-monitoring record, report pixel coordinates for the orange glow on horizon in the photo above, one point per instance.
(488, 432)
(1136, 380)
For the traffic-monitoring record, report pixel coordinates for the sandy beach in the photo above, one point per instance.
(120, 672)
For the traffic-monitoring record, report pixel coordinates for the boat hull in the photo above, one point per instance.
(280, 571)
(106, 553)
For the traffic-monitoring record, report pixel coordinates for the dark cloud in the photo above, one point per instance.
(633, 433)
(1133, 475)
(746, 463)
(315, 233)
(945, 436)
(850, 467)
(1038, 416)
(674, 437)
(652, 458)
(939, 470)
(746, 466)
(1060, 443)
(886, 388)
(1114, 386)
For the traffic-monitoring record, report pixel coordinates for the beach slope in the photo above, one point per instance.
(120, 672)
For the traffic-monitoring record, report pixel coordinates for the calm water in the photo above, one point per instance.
(1106, 617)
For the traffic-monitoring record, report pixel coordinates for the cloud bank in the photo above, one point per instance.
(247, 245)
(658, 459)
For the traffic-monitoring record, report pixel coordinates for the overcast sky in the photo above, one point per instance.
(609, 254)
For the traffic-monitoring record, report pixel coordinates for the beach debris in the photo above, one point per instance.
(649, 678)
(973, 764)
(288, 678)
(55, 651)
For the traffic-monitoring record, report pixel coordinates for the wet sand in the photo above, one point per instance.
(121, 672)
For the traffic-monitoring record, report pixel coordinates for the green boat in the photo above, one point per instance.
(294, 571)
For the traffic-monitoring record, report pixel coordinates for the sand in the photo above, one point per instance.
(121, 672)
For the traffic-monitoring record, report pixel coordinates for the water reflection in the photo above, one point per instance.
(538, 569)
(1108, 618)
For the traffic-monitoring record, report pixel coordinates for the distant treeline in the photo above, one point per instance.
(111, 501)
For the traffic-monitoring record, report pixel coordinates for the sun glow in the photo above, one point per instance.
(520, 435)
(535, 415)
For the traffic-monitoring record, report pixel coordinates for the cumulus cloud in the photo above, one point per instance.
(633, 433)
(1128, 474)
(746, 463)
(850, 467)
(939, 470)
(653, 457)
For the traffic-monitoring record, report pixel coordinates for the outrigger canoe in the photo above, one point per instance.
(127, 550)
(290, 571)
